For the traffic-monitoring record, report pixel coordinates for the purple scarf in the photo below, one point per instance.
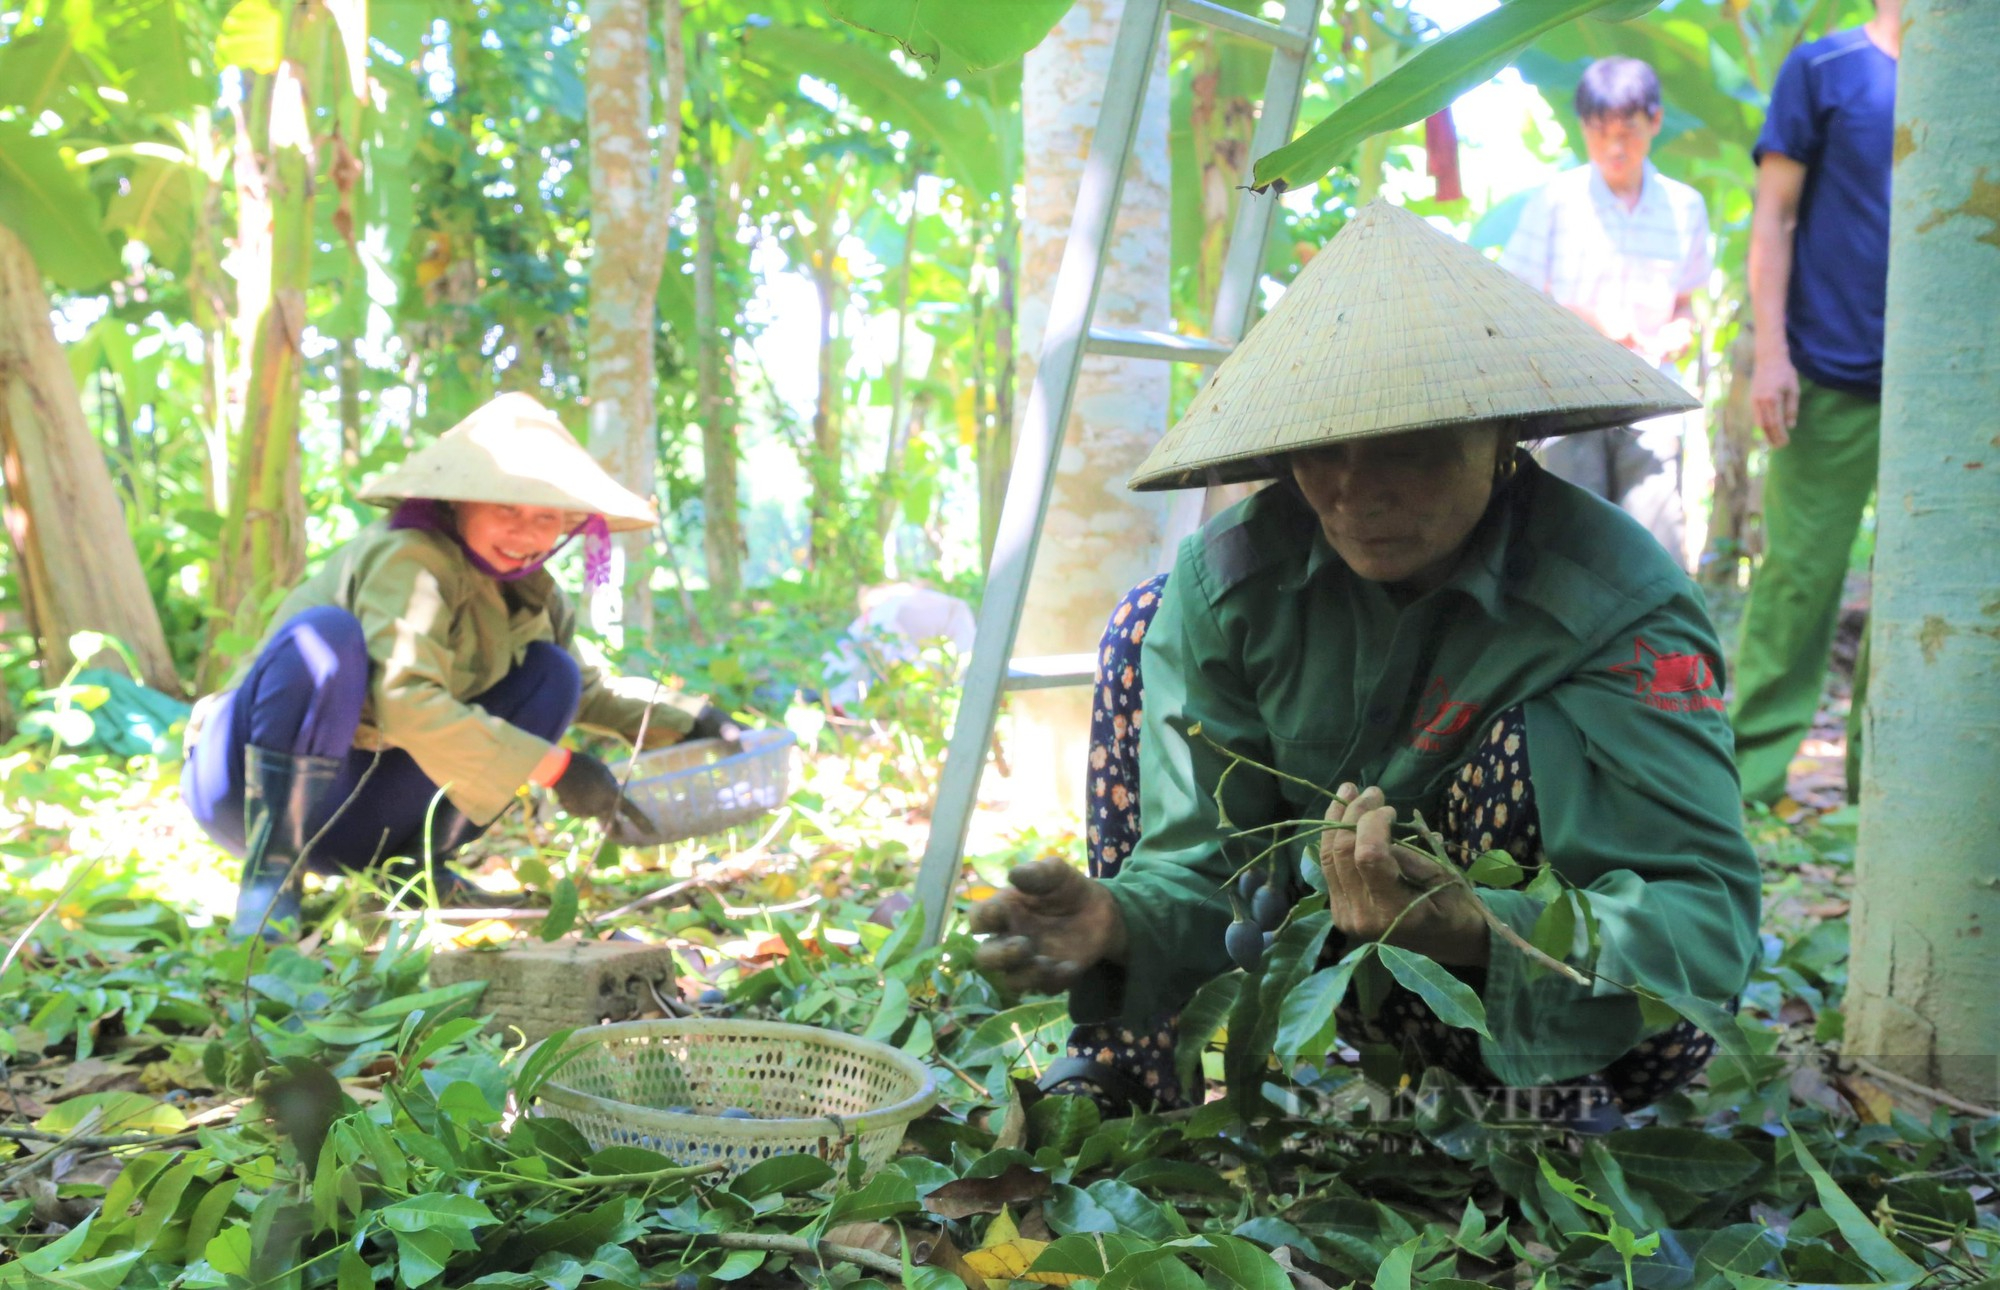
(434, 516)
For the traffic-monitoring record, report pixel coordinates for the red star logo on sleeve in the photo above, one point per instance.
(1671, 682)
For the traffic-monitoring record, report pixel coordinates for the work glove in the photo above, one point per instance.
(713, 723)
(1049, 924)
(587, 788)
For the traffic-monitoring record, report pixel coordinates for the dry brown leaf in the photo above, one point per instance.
(946, 1255)
(1870, 1100)
(1013, 1130)
(94, 1075)
(1301, 1279)
(1796, 1012)
(1017, 1185)
(22, 1105)
(882, 1238)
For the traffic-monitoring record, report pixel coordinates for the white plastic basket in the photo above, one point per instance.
(705, 786)
(811, 1091)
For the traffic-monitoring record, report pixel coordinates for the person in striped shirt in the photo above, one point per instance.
(1626, 248)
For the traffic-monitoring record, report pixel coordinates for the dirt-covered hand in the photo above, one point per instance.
(587, 788)
(1371, 881)
(1050, 924)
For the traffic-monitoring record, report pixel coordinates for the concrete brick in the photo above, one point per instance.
(543, 988)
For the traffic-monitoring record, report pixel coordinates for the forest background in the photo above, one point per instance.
(827, 197)
(249, 256)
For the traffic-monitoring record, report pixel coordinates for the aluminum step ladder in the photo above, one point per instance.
(992, 670)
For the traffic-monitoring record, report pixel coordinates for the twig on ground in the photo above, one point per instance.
(717, 873)
(800, 1248)
(75, 881)
(674, 1008)
(1938, 1095)
(99, 1140)
(959, 1071)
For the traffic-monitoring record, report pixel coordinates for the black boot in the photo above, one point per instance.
(281, 793)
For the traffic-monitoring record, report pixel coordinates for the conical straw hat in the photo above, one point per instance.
(514, 451)
(1392, 327)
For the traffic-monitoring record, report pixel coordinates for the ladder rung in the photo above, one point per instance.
(1240, 24)
(1167, 346)
(1051, 671)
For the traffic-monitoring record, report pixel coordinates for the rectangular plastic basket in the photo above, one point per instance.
(694, 789)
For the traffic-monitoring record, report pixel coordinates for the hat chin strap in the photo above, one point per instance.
(432, 515)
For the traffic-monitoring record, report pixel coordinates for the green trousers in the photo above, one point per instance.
(1814, 493)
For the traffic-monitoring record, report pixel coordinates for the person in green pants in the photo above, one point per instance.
(1819, 261)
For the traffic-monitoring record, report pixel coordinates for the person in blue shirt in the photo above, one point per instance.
(1819, 267)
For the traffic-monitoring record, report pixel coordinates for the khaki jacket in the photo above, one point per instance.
(439, 632)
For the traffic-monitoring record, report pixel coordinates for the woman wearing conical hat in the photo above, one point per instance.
(431, 653)
(1414, 619)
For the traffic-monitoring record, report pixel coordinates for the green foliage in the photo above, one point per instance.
(38, 199)
(1425, 84)
(979, 36)
(420, 1178)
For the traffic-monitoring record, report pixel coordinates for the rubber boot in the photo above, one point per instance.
(282, 792)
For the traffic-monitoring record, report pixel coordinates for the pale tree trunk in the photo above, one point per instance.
(899, 376)
(73, 556)
(995, 434)
(1099, 538)
(263, 534)
(715, 403)
(826, 468)
(1731, 540)
(1924, 990)
(631, 200)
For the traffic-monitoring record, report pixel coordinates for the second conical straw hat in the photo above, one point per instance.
(1393, 327)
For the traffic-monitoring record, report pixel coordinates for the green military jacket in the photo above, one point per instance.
(1562, 604)
(439, 632)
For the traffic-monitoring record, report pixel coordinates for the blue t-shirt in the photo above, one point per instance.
(1833, 110)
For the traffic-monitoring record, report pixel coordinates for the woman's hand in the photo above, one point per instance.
(1049, 925)
(587, 788)
(713, 723)
(1370, 882)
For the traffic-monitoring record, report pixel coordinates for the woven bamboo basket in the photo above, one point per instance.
(701, 787)
(814, 1092)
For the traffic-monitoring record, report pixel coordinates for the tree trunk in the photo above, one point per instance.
(1006, 312)
(263, 533)
(631, 195)
(1924, 993)
(1099, 539)
(347, 374)
(74, 558)
(825, 468)
(899, 377)
(1732, 540)
(722, 525)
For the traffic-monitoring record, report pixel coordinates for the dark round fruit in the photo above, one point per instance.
(1251, 881)
(1245, 943)
(1269, 907)
(712, 996)
(1270, 939)
(736, 1113)
(687, 1281)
